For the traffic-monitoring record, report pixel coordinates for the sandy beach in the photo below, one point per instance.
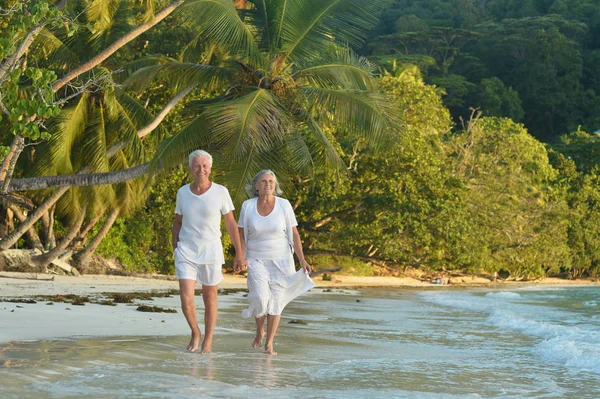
(14, 284)
(46, 319)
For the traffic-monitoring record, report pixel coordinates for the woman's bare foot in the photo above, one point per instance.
(194, 342)
(258, 340)
(206, 347)
(270, 351)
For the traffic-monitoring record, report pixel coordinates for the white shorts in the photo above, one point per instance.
(208, 275)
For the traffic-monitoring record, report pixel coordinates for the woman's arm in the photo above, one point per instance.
(298, 250)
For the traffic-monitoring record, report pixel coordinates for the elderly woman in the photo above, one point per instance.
(268, 229)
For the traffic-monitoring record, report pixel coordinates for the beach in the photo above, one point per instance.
(498, 341)
(22, 321)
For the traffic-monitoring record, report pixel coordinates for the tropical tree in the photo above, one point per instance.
(283, 75)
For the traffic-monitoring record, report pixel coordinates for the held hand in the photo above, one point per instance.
(239, 264)
(305, 266)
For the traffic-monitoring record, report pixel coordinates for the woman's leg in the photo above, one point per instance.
(258, 297)
(260, 332)
(272, 324)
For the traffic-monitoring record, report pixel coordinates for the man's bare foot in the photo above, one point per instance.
(194, 342)
(206, 347)
(258, 340)
(270, 351)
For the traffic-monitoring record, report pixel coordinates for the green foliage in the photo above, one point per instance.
(541, 54)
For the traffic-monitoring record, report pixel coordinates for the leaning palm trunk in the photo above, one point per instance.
(86, 254)
(81, 238)
(28, 223)
(110, 50)
(32, 235)
(45, 259)
(8, 165)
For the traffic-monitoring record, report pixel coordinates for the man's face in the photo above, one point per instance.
(200, 168)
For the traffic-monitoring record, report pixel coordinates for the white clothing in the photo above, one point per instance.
(272, 280)
(272, 284)
(208, 275)
(260, 230)
(200, 234)
(267, 235)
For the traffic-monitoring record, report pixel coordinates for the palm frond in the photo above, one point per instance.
(138, 114)
(311, 25)
(149, 10)
(323, 151)
(57, 55)
(55, 155)
(139, 63)
(218, 22)
(179, 75)
(235, 128)
(100, 13)
(91, 153)
(341, 69)
(364, 113)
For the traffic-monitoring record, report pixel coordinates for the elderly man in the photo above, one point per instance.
(197, 243)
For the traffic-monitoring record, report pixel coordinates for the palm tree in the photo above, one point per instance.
(285, 76)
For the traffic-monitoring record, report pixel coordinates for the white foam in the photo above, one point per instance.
(590, 304)
(503, 294)
(571, 346)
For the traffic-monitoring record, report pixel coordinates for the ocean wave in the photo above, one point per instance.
(503, 294)
(569, 346)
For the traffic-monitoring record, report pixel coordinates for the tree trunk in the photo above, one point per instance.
(110, 50)
(45, 259)
(10, 225)
(8, 165)
(81, 238)
(32, 235)
(34, 216)
(90, 179)
(86, 254)
(48, 230)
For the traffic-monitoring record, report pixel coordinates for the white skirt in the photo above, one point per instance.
(272, 284)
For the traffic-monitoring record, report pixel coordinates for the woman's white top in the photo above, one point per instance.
(200, 234)
(268, 237)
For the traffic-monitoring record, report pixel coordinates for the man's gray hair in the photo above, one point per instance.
(253, 191)
(198, 154)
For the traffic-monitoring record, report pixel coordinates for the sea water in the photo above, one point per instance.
(370, 343)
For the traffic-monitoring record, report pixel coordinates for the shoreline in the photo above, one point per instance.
(26, 316)
(16, 284)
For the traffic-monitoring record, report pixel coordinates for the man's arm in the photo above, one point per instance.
(175, 230)
(239, 263)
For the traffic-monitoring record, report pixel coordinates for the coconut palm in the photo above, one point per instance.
(285, 75)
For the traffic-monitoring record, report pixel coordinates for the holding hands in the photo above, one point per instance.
(239, 264)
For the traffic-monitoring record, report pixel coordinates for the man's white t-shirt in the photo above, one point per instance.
(267, 237)
(200, 234)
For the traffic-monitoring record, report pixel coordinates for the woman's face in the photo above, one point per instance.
(265, 185)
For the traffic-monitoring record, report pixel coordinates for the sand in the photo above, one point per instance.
(23, 321)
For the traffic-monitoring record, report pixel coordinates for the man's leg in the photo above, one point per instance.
(209, 295)
(186, 289)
